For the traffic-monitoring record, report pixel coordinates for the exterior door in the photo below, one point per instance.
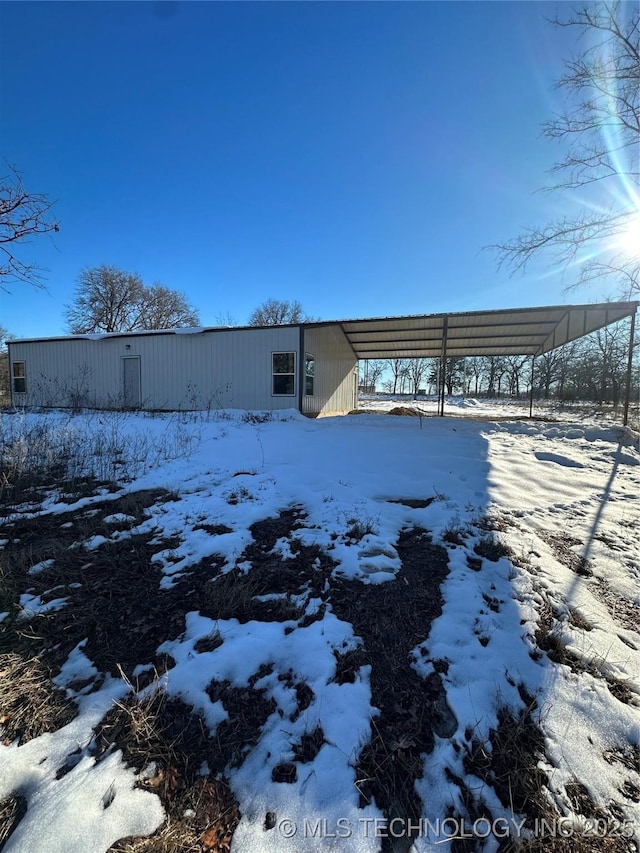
(131, 382)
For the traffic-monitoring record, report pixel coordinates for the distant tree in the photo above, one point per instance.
(547, 370)
(278, 312)
(493, 369)
(453, 374)
(600, 127)
(376, 369)
(106, 300)
(475, 369)
(225, 318)
(417, 371)
(163, 308)
(22, 216)
(609, 358)
(371, 370)
(515, 367)
(397, 367)
(110, 300)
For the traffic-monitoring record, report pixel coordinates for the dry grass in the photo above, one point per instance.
(562, 547)
(511, 768)
(491, 548)
(549, 640)
(12, 810)
(154, 731)
(623, 611)
(30, 705)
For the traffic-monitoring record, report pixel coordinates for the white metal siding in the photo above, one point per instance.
(335, 380)
(221, 369)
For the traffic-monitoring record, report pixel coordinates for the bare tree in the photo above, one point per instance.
(23, 215)
(547, 370)
(610, 351)
(225, 318)
(106, 300)
(552, 369)
(369, 372)
(398, 368)
(163, 308)
(416, 371)
(601, 130)
(515, 366)
(475, 368)
(493, 369)
(454, 374)
(110, 300)
(278, 312)
(375, 371)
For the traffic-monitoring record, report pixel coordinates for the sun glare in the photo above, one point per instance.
(629, 239)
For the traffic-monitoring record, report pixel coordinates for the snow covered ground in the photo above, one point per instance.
(538, 622)
(507, 407)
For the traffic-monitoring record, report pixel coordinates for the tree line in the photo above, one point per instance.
(108, 299)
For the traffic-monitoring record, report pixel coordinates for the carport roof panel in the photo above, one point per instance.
(513, 331)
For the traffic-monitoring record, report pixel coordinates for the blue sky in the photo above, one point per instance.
(354, 156)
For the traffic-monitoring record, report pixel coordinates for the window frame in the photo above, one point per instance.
(309, 357)
(15, 379)
(275, 373)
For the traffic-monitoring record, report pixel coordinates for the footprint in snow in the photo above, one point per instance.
(626, 459)
(558, 459)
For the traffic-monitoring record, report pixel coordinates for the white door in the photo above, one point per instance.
(131, 381)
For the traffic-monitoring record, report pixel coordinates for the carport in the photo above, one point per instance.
(518, 331)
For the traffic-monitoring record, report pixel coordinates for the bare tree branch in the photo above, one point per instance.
(110, 300)
(601, 128)
(23, 215)
(163, 308)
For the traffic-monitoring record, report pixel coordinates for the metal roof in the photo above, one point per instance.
(514, 331)
(511, 331)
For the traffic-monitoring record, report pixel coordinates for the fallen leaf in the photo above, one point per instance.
(154, 781)
(210, 839)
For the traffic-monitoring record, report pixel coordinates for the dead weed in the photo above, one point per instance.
(30, 705)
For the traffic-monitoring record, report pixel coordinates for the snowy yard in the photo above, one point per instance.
(279, 634)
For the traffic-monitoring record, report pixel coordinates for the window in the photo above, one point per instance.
(19, 378)
(284, 374)
(309, 371)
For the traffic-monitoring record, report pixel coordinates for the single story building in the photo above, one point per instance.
(312, 369)
(309, 366)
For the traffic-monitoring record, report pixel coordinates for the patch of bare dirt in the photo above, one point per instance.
(202, 814)
(550, 641)
(392, 619)
(510, 765)
(623, 611)
(562, 547)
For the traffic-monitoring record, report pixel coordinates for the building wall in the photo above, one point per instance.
(336, 371)
(221, 369)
